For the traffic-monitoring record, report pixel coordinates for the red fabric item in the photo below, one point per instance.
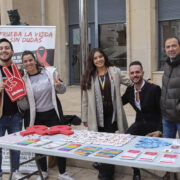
(25, 133)
(15, 86)
(37, 127)
(62, 127)
(43, 130)
(53, 131)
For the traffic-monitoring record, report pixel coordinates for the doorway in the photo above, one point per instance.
(74, 51)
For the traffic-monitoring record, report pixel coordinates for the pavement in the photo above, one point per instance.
(82, 170)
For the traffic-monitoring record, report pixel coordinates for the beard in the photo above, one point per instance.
(139, 81)
(7, 59)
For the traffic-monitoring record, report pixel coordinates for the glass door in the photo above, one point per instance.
(74, 53)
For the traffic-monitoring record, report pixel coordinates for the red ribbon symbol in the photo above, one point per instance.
(42, 59)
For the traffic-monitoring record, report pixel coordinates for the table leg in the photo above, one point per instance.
(38, 166)
(11, 164)
(172, 176)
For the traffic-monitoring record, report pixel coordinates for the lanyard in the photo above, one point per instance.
(102, 81)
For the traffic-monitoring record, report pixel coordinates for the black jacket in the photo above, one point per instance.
(150, 103)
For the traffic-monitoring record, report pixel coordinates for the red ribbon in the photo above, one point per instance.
(43, 58)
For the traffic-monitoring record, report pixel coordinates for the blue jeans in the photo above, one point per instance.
(12, 124)
(170, 129)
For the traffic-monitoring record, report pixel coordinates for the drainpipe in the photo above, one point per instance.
(83, 33)
(42, 12)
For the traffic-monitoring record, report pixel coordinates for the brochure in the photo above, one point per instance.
(168, 158)
(130, 154)
(109, 153)
(87, 150)
(27, 142)
(69, 147)
(148, 156)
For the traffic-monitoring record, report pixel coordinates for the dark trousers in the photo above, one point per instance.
(107, 170)
(50, 118)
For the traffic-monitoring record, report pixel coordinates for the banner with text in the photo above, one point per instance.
(39, 39)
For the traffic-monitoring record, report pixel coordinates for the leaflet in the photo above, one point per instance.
(130, 154)
(69, 147)
(168, 158)
(87, 150)
(108, 152)
(54, 145)
(148, 156)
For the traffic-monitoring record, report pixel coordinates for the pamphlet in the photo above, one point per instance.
(168, 158)
(27, 142)
(148, 156)
(87, 150)
(130, 154)
(109, 153)
(69, 147)
(53, 145)
(42, 142)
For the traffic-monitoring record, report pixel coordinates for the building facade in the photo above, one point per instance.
(126, 30)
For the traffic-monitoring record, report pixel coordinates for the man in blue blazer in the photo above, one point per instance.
(144, 97)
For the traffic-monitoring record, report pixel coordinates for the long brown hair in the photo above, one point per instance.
(90, 68)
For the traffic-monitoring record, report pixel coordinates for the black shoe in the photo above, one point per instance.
(97, 165)
(106, 178)
(100, 175)
(136, 177)
(167, 176)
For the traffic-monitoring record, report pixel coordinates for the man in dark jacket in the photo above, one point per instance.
(144, 97)
(170, 98)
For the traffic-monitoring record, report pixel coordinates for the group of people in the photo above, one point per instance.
(157, 110)
(42, 86)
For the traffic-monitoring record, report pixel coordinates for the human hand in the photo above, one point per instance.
(2, 86)
(85, 124)
(155, 134)
(14, 84)
(57, 83)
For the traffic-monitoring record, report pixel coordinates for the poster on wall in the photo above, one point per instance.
(41, 41)
(38, 39)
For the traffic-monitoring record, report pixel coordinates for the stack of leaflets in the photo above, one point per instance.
(69, 147)
(108, 153)
(168, 158)
(53, 145)
(27, 142)
(148, 156)
(87, 150)
(130, 154)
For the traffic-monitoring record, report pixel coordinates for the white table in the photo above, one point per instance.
(155, 165)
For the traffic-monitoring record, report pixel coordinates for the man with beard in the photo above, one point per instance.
(10, 119)
(144, 97)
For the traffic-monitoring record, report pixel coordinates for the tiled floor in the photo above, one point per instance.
(80, 174)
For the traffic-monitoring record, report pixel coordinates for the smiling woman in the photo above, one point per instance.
(29, 63)
(42, 86)
(102, 108)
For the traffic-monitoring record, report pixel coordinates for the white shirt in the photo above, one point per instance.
(138, 104)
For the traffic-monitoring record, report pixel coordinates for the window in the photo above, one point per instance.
(167, 28)
(112, 39)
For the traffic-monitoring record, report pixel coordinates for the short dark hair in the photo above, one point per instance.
(6, 40)
(136, 63)
(171, 37)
